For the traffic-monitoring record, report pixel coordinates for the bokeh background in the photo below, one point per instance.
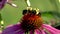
(50, 10)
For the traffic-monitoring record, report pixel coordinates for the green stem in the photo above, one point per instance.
(1, 23)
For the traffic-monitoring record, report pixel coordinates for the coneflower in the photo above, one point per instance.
(31, 23)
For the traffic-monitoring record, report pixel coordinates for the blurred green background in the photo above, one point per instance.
(50, 9)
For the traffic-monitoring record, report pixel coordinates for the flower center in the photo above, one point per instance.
(31, 22)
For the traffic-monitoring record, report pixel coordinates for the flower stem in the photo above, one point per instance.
(1, 23)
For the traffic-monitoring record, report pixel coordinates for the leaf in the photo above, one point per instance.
(48, 16)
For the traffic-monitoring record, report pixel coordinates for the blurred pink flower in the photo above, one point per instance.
(2, 3)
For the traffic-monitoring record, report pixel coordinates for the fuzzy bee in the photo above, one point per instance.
(31, 11)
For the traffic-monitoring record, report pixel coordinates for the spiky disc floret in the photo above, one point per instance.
(31, 21)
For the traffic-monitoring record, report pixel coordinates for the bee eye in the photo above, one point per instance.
(24, 12)
(33, 11)
(0, 0)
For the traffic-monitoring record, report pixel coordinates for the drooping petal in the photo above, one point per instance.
(2, 3)
(43, 32)
(15, 29)
(51, 29)
(39, 31)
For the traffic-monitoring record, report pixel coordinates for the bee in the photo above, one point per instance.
(31, 11)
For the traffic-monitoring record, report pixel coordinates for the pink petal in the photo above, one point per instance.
(51, 29)
(38, 31)
(43, 32)
(13, 29)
